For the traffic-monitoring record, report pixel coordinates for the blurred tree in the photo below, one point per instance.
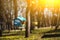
(57, 21)
(15, 8)
(27, 32)
(3, 17)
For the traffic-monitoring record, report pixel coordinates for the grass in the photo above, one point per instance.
(35, 35)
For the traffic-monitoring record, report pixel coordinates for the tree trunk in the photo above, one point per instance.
(38, 18)
(0, 33)
(31, 20)
(56, 27)
(15, 8)
(27, 32)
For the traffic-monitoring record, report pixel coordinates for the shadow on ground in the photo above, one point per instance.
(12, 34)
(51, 33)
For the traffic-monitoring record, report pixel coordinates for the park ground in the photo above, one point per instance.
(46, 33)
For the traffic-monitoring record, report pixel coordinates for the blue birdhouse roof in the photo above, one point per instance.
(21, 18)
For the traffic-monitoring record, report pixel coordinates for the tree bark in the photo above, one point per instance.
(27, 32)
(15, 8)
